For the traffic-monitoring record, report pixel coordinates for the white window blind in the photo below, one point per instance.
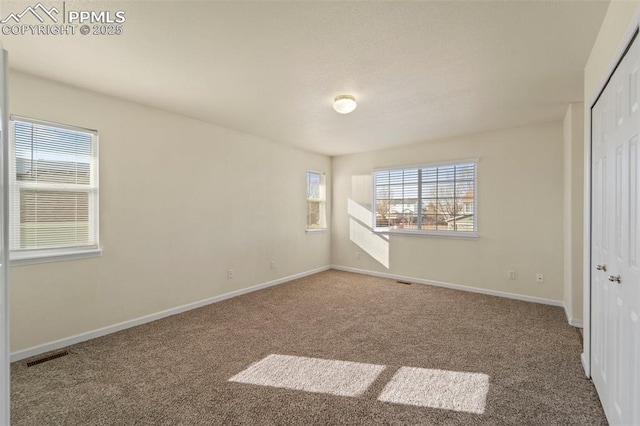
(316, 214)
(432, 199)
(53, 187)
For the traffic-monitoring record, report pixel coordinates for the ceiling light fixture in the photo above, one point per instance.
(344, 104)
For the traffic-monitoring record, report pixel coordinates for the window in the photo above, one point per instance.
(53, 189)
(316, 196)
(437, 199)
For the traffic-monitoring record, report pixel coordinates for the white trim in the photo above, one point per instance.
(316, 230)
(576, 323)
(316, 171)
(470, 289)
(586, 264)
(56, 255)
(71, 127)
(435, 164)
(420, 233)
(586, 250)
(71, 340)
(5, 372)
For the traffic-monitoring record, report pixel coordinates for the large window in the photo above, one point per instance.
(316, 196)
(53, 189)
(439, 199)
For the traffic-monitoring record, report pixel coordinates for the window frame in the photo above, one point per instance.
(52, 254)
(322, 200)
(421, 232)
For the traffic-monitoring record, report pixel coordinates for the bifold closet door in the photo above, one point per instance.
(615, 242)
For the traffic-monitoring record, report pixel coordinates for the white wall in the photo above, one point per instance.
(607, 49)
(573, 209)
(181, 201)
(520, 213)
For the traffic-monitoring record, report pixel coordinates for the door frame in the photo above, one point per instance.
(624, 44)
(5, 393)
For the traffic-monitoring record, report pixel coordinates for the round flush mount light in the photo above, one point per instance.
(344, 104)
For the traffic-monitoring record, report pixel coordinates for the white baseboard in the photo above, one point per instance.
(453, 286)
(576, 323)
(572, 321)
(67, 341)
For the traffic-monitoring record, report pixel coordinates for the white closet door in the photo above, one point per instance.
(615, 245)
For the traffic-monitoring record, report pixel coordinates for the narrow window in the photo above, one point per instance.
(316, 197)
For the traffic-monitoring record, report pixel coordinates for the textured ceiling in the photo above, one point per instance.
(419, 70)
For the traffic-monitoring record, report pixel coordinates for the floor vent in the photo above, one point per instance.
(404, 282)
(47, 358)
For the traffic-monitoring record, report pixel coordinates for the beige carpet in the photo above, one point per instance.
(345, 349)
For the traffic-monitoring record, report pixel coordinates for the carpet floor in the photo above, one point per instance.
(331, 348)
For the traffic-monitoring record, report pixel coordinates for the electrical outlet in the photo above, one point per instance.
(357, 255)
(539, 278)
(230, 274)
(272, 264)
(511, 274)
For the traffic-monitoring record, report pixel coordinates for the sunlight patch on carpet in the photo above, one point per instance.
(448, 390)
(341, 378)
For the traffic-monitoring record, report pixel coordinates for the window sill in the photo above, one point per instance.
(24, 258)
(438, 234)
(312, 230)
